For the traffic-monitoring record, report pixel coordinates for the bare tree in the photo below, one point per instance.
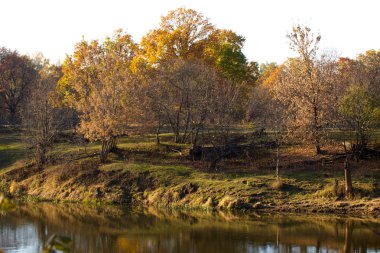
(269, 112)
(223, 115)
(305, 87)
(40, 119)
(306, 45)
(181, 95)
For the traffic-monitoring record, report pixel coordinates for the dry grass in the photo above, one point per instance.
(331, 190)
(16, 188)
(277, 185)
(156, 175)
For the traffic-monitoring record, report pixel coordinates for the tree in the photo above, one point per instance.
(182, 34)
(357, 107)
(186, 34)
(360, 110)
(265, 70)
(40, 120)
(223, 50)
(181, 95)
(224, 110)
(370, 61)
(17, 74)
(98, 83)
(268, 111)
(305, 44)
(150, 116)
(306, 86)
(360, 113)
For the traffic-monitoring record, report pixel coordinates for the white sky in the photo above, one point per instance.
(54, 26)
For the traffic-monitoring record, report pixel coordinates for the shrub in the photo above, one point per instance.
(364, 190)
(331, 190)
(277, 185)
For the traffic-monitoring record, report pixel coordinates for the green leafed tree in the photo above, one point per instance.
(360, 110)
(359, 113)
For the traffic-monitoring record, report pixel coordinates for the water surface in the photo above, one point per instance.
(115, 229)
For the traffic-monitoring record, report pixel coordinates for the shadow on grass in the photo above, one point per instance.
(9, 157)
(291, 188)
(11, 149)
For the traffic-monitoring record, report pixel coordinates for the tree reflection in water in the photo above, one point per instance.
(116, 229)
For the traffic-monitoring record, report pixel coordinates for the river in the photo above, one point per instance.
(82, 228)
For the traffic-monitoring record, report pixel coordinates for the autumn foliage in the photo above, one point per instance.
(188, 77)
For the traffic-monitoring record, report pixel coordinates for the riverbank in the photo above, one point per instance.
(146, 174)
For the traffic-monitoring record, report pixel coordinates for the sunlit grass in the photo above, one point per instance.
(168, 166)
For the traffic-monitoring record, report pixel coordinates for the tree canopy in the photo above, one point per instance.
(98, 83)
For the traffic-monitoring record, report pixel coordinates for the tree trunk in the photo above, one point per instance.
(278, 161)
(176, 137)
(177, 125)
(195, 137)
(184, 136)
(103, 152)
(316, 131)
(112, 145)
(318, 149)
(347, 176)
(40, 156)
(107, 146)
(158, 134)
(12, 115)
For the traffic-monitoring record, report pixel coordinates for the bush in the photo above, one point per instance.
(277, 185)
(332, 190)
(364, 190)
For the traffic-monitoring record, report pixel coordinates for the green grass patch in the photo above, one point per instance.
(12, 149)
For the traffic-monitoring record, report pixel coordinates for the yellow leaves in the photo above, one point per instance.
(137, 63)
(180, 35)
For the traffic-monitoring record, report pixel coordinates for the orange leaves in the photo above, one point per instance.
(96, 83)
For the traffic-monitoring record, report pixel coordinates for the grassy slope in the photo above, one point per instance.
(12, 150)
(164, 175)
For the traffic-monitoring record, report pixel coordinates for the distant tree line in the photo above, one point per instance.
(188, 76)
